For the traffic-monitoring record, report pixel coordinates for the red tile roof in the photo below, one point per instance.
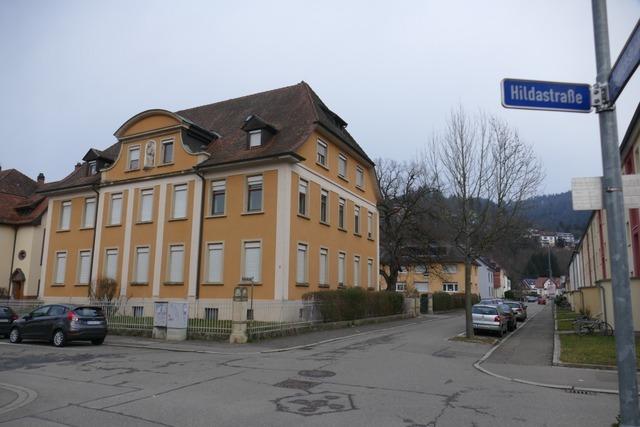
(19, 203)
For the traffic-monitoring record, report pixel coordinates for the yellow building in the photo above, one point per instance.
(268, 188)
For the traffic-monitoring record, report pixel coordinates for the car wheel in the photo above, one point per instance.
(59, 338)
(501, 333)
(97, 341)
(15, 336)
(515, 325)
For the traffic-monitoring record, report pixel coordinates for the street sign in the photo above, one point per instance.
(539, 95)
(625, 65)
(586, 193)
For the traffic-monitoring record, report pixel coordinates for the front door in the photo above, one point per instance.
(18, 289)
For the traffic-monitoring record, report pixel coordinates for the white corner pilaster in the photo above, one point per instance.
(159, 249)
(126, 248)
(98, 230)
(283, 232)
(45, 255)
(195, 238)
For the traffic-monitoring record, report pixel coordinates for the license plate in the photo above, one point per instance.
(94, 322)
(4, 320)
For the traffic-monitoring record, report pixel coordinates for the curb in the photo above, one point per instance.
(277, 350)
(565, 387)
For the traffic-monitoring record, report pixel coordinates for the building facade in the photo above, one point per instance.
(267, 190)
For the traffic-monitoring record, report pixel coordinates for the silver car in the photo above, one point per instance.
(489, 318)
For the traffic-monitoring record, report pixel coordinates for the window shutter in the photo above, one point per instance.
(176, 262)
(215, 263)
(341, 268)
(65, 216)
(111, 264)
(61, 267)
(180, 201)
(89, 213)
(146, 205)
(323, 267)
(142, 265)
(116, 209)
(252, 260)
(85, 259)
(300, 271)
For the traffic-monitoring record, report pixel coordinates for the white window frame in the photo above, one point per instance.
(59, 276)
(370, 272)
(359, 177)
(93, 167)
(84, 253)
(356, 270)
(303, 197)
(450, 268)
(179, 188)
(342, 166)
(253, 141)
(356, 219)
(164, 149)
(254, 180)
(324, 252)
(324, 210)
(243, 267)
(218, 186)
(107, 252)
(370, 225)
(342, 268)
(302, 270)
(214, 246)
(321, 158)
(118, 220)
(149, 193)
(130, 150)
(172, 276)
(88, 221)
(65, 225)
(136, 277)
(453, 285)
(342, 209)
(401, 286)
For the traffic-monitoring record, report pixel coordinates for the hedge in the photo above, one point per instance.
(355, 303)
(447, 301)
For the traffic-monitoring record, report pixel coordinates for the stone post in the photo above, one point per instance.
(239, 316)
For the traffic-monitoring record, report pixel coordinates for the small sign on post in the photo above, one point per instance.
(541, 95)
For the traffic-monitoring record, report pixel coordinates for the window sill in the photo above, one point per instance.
(252, 213)
(131, 170)
(173, 283)
(302, 285)
(342, 287)
(371, 238)
(63, 230)
(223, 215)
(360, 187)
(325, 167)
(344, 178)
(249, 284)
(57, 285)
(326, 224)
(178, 219)
(81, 285)
(140, 283)
(324, 286)
(113, 225)
(357, 234)
(212, 284)
(344, 230)
(85, 228)
(143, 222)
(303, 216)
(165, 164)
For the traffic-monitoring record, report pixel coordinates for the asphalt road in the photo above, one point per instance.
(409, 376)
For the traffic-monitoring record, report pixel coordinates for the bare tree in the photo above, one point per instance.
(404, 216)
(484, 173)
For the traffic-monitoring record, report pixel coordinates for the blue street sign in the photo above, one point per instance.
(553, 96)
(625, 65)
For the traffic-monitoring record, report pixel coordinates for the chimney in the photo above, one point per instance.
(78, 166)
(40, 178)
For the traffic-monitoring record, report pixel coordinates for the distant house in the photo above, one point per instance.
(22, 219)
(528, 285)
(486, 270)
(547, 287)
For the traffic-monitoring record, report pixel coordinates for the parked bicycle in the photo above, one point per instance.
(592, 326)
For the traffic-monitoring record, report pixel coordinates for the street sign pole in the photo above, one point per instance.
(614, 207)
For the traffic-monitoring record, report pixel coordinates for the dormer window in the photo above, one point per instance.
(93, 167)
(255, 138)
(134, 157)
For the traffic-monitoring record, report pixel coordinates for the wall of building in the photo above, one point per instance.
(30, 239)
(7, 235)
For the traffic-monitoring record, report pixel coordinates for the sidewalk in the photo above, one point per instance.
(527, 357)
(268, 345)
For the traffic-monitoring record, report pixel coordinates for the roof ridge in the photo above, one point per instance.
(237, 98)
(308, 91)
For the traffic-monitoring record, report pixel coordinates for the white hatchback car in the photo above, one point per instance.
(489, 317)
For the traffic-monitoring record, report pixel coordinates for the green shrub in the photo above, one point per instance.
(510, 295)
(446, 301)
(355, 303)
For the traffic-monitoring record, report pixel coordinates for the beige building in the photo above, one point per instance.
(268, 189)
(22, 218)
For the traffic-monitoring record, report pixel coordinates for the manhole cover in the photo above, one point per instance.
(296, 384)
(316, 403)
(316, 373)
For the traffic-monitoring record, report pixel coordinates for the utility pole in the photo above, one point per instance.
(614, 208)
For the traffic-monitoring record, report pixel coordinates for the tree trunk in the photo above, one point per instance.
(467, 297)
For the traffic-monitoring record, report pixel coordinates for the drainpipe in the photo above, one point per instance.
(199, 262)
(604, 301)
(93, 242)
(582, 298)
(13, 257)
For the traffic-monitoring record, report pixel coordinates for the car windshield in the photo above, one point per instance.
(88, 311)
(484, 310)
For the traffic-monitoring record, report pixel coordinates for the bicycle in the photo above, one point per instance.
(593, 326)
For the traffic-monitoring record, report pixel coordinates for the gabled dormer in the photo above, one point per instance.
(259, 132)
(96, 161)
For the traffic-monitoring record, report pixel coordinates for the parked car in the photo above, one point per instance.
(490, 301)
(7, 317)
(489, 318)
(542, 300)
(532, 298)
(519, 309)
(512, 323)
(61, 323)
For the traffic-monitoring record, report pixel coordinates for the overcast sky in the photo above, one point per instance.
(73, 71)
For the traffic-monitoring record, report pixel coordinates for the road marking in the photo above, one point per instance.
(25, 396)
